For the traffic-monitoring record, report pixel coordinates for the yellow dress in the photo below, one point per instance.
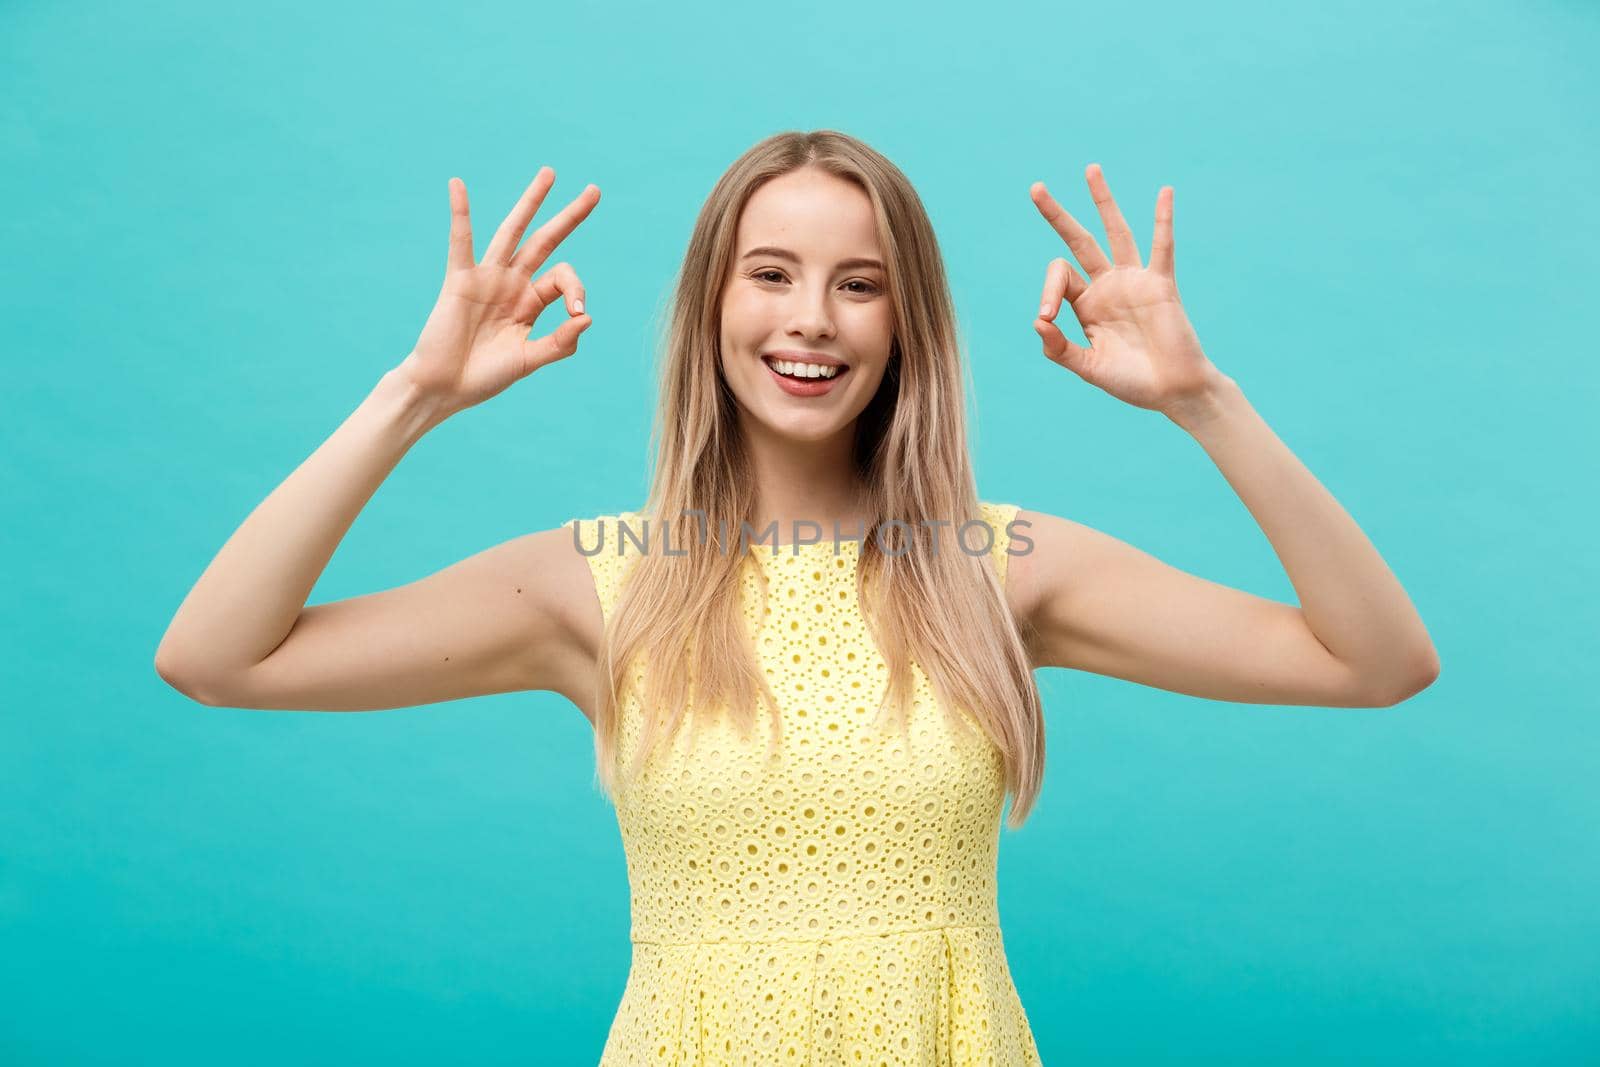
(837, 905)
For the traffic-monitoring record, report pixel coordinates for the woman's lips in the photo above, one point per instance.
(806, 387)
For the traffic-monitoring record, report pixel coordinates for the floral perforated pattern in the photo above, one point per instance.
(830, 900)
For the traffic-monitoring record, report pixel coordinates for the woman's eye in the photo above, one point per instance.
(777, 276)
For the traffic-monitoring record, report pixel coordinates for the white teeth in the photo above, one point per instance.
(804, 370)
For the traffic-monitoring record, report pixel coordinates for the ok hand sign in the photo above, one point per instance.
(1142, 348)
(475, 342)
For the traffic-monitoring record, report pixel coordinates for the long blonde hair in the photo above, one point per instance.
(681, 613)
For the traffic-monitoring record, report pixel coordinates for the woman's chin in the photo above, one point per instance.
(802, 427)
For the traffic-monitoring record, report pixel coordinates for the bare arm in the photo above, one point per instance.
(519, 616)
(1096, 603)
(513, 617)
(243, 635)
(251, 595)
(1093, 603)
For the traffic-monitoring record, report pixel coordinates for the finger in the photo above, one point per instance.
(1081, 241)
(560, 280)
(511, 230)
(1059, 348)
(552, 233)
(460, 256)
(558, 344)
(1060, 281)
(1124, 249)
(1161, 252)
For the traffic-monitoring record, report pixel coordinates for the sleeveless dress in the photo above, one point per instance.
(833, 906)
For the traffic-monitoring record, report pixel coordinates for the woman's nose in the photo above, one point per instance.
(810, 315)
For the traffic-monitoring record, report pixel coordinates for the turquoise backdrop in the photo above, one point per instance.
(224, 222)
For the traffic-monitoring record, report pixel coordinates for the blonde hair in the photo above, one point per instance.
(944, 610)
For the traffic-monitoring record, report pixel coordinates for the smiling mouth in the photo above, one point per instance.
(805, 372)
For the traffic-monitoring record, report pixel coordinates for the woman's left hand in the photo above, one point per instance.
(1142, 348)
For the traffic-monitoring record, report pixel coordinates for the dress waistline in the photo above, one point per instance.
(828, 938)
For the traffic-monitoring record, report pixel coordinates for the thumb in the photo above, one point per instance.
(1059, 348)
(558, 344)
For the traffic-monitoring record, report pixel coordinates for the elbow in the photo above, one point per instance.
(1423, 674)
(181, 679)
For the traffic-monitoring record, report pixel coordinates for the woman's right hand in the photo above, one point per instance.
(475, 342)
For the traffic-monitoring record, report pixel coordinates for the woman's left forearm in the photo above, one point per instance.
(1350, 599)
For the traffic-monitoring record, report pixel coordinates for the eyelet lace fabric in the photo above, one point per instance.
(830, 901)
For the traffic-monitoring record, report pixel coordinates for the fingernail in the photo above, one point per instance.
(577, 307)
(1044, 311)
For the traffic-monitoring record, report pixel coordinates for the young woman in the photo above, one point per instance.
(808, 657)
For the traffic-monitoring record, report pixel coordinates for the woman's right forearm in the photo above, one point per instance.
(251, 594)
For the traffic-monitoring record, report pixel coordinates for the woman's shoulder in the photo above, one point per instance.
(610, 543)
(998, 515)
(1005, 529)
(1047, 552)
(614, 529)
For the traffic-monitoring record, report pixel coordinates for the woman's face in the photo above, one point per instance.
(807, 286)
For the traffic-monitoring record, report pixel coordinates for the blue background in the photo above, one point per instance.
(223, 223)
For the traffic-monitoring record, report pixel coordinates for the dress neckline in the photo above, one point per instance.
(847, 548)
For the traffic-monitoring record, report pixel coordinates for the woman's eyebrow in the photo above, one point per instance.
(784, 253)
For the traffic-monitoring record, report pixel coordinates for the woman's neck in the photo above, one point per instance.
(807, 482)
